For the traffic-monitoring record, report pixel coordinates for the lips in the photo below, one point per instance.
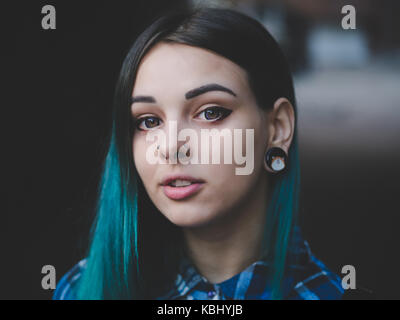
(181, 192)
(168, 179)
(177, 193)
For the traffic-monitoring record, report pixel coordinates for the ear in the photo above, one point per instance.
(281, 124)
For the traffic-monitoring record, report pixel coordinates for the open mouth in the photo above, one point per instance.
(181, 183)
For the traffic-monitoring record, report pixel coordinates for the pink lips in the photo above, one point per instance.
(177, 193)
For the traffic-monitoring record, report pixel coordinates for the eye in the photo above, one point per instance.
(213, 114)
(148, 122)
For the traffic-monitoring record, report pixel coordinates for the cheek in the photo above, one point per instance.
(226, 189)
(139, 157)
(252, 148)
(137, 152)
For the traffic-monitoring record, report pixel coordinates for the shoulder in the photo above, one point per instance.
(66, 286)
(315, 281)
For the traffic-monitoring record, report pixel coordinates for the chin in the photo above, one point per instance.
(189, 221)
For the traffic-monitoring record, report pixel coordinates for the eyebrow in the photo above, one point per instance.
(190, 94)
(148, 99)
(206, 88)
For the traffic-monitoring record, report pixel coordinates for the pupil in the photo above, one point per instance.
(208, 113)
(149, 122)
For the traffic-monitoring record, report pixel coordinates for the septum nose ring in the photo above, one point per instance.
(178, 152)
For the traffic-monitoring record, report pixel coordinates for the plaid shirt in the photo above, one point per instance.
(306, 278)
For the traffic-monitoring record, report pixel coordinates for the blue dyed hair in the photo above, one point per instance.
(131, 241)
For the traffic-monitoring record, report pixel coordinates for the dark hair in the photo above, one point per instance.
(124, 259)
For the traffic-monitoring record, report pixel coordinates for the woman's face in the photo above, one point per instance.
(165, 78)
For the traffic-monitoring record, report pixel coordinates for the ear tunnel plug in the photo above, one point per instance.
(276, 159)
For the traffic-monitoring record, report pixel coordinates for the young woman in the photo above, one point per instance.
(168, 229)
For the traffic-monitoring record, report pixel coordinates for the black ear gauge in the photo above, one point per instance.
(276, 159)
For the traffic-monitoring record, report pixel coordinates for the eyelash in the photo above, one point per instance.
(225, 113)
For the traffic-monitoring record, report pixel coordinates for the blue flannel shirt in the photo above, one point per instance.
(305, 278)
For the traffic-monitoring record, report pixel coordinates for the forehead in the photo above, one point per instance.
(173, 67)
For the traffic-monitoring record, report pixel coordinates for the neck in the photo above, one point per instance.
(226, 247)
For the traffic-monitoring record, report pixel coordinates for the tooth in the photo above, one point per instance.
(181, 183)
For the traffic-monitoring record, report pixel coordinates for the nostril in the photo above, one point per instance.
(187, 153)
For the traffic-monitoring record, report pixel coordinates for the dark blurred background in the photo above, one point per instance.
(57, 107)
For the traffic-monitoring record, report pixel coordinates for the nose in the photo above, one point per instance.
(174, 150)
